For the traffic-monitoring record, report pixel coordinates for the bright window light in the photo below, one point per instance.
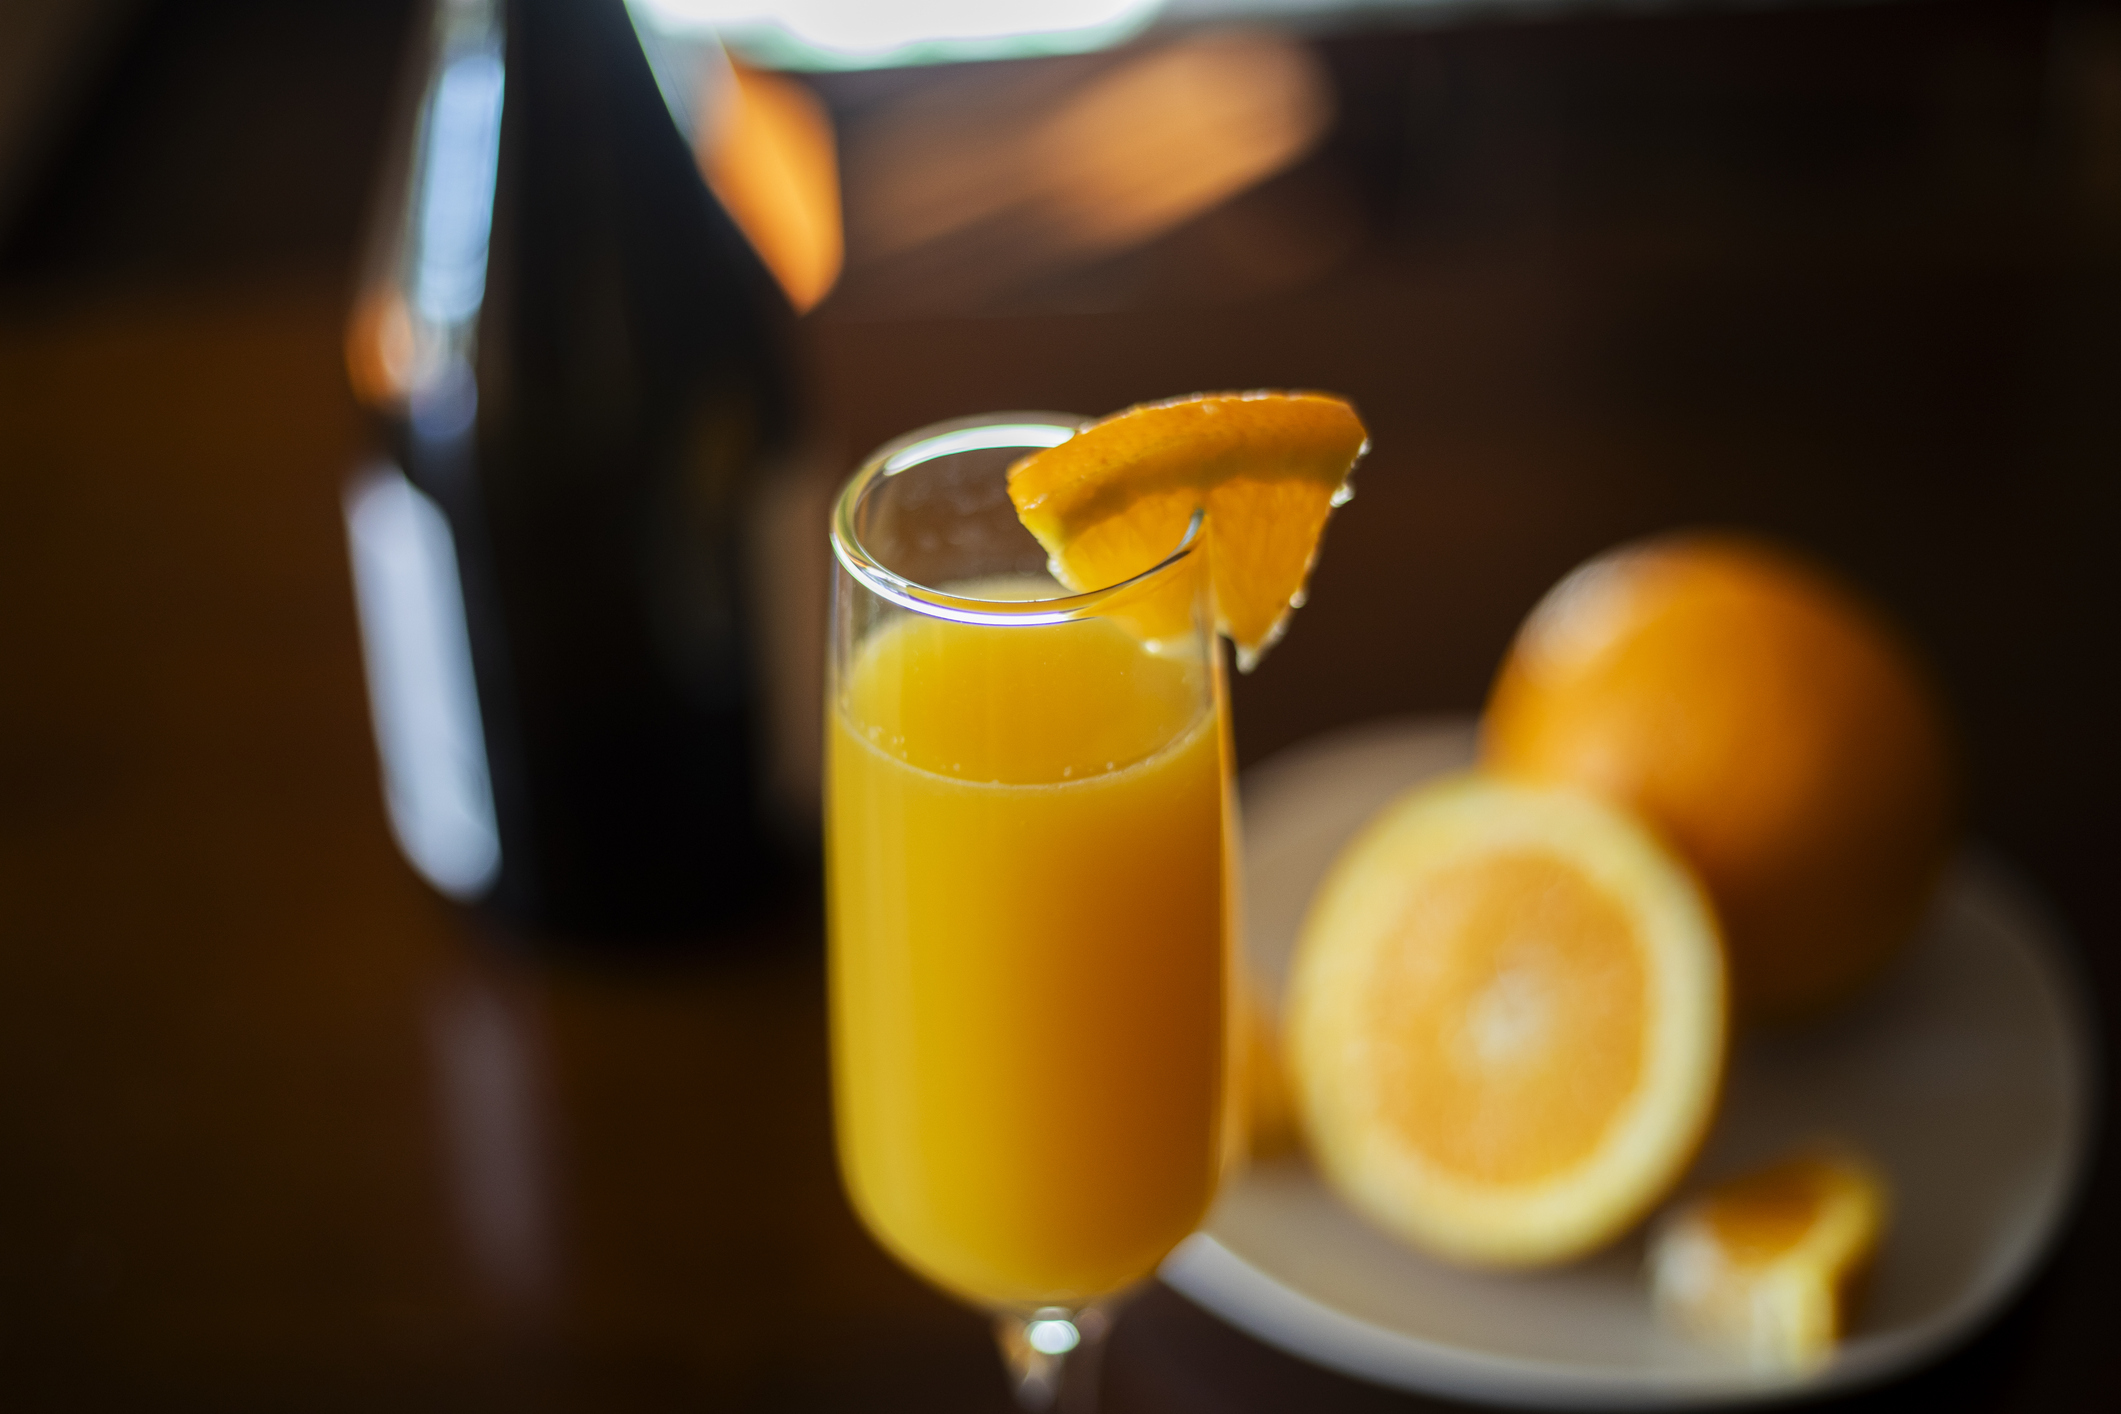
(858, 33)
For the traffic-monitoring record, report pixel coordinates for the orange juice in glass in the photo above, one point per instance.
(1028, 811)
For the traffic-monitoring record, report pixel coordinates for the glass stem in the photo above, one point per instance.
(1053, 1356)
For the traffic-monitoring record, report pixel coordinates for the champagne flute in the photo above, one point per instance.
(1028, 817)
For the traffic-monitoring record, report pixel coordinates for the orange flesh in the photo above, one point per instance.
(1761, 1217)
(1265, 533)
(1266, 467)
(1510, 1018)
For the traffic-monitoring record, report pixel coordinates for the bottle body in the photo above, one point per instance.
(590, 385)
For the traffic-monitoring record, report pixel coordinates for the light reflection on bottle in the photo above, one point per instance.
(416, 320)
(422, 696)
(443, 410)
(456, 185)
(415, 639)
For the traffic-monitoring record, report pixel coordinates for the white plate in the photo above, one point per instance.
(1967, 1075)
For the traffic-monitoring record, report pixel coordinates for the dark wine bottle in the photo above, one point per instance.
(580, 373)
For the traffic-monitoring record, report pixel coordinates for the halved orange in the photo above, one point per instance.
(1266, 467)
(1765, 1264)
(1506, 1024)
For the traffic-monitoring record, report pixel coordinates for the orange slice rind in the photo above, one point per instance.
(1267, 468)
(1764, 1265)
(1506, 1028)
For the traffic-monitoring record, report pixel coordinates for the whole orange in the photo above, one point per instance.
(1769, 723)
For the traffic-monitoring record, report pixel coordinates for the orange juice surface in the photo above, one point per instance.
(1025, 851)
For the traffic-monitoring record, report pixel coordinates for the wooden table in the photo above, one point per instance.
(279, 1129)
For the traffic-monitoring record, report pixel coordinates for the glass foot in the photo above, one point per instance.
(1046, 1345)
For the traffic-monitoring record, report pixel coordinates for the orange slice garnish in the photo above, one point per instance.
(1506, 1023)
(1266, 467)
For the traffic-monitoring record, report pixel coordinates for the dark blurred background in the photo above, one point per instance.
(280, 1128)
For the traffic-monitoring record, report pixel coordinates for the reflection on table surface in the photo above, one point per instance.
(281, 1128)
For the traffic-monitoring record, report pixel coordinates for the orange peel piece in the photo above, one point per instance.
(1765, 1265)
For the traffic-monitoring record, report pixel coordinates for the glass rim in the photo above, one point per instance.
(1028, 431)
